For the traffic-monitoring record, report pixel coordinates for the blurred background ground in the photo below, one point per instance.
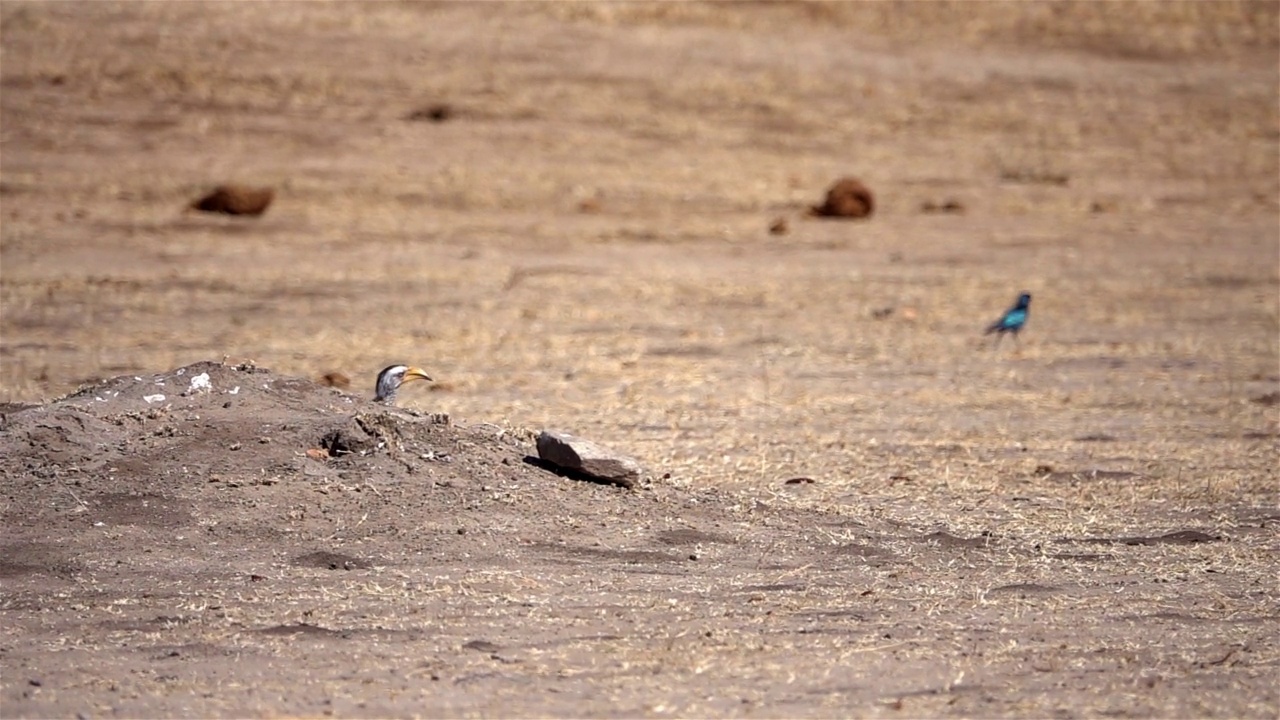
(582, 241)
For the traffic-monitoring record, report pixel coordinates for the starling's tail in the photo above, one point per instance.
(993, 327)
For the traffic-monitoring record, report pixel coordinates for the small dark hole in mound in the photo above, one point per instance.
(344, 441)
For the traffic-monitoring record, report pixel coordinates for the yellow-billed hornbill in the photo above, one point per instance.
(391, 378)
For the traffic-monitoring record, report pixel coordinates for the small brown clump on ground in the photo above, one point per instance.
(433, 113)
(335, 379)
(236, 200)
(847, 198)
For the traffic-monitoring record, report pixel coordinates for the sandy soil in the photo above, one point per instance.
(855, 504)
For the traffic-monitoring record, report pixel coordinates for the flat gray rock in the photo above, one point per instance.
(579, 455)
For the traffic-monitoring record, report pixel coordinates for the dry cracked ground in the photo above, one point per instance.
(855, 503)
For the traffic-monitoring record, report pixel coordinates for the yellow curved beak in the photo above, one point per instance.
(414, 372)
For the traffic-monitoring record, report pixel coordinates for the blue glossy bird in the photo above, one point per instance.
(1012, 320)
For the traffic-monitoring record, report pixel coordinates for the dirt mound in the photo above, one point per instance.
(238, 452)
(216, 511)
